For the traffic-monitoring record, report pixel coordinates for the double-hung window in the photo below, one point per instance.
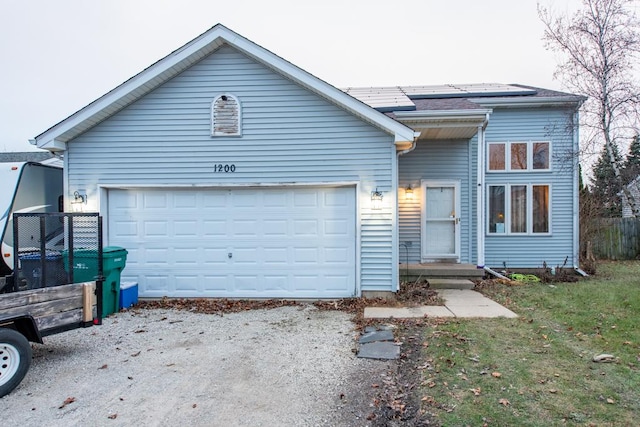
(519, 209)
(519, 156)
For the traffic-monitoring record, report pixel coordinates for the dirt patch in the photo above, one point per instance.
(398, 402)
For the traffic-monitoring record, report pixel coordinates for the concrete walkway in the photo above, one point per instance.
(463, 303)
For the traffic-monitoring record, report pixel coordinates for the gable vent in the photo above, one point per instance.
(225, 116)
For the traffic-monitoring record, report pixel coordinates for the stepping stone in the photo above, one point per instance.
(383, 335)
(384, 350)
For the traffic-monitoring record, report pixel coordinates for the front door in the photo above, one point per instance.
(441, 221)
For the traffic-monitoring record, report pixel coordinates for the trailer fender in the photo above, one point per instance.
(25, 324)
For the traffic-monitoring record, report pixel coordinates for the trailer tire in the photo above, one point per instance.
(15, 359)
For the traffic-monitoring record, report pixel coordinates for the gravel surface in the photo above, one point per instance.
(290, 366)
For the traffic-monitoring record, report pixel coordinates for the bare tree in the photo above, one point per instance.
(599, 47)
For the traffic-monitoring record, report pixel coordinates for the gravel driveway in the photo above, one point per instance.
(290, 366)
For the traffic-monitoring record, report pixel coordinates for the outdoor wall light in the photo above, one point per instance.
(78, 202)
(408, 193)
(376, 200)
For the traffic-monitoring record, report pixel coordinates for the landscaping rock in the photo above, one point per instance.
(604, 358)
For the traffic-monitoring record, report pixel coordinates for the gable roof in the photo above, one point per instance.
(56, 137)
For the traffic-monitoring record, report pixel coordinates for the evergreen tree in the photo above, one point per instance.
(632, 164)
(606, 188)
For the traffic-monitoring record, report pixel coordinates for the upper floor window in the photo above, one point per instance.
(519, 156)
(226, 116)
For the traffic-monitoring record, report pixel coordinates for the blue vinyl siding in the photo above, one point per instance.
(524, 125)
(451, 160)
(289, 136)
(434, 160)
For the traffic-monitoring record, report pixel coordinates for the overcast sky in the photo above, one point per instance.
(59, 55)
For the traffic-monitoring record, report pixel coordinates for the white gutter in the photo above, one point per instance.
(479, 113)
(480, 193)
(546, 101)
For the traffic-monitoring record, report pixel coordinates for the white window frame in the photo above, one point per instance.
(507, 209)
(212, 116)
(507, 154)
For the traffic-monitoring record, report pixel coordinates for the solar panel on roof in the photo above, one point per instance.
(398, 98)
(465, 90)
(382, 98)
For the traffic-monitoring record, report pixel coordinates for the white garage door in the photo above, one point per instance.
(281, 242)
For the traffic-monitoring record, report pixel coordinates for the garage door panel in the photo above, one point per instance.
(124, 228)
(151, 201)
(275, 227)
(185, 201)
(215, 284)
(276, 256)
(215, 227)
(246, 282)
(305, 227)
(287, 242)
(305, 199)
(187, 283)
(156, 228)
(183, 228)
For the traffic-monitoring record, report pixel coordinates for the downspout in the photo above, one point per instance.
(396, 238)
(480, 193)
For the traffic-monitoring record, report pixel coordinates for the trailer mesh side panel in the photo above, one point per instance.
(50, 248)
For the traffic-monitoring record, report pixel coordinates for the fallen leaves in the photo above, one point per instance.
(476, 391)
(66, 402)
(504, 402)
(496, 374)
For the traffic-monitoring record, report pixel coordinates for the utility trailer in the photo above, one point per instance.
(41, 298)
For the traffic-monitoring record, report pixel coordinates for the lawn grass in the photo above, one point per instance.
(537, 370)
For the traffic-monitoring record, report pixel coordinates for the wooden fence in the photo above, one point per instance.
(617, 239)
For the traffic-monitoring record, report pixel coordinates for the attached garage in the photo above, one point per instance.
(226, 171)
(295, 242)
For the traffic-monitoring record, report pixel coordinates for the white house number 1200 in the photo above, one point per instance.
(224, 168)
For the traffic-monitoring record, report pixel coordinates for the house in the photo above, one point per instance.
(227, 171)
(634, 189)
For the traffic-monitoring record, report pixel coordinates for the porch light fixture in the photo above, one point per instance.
(408, 193)
(376, 200)
(78, 202)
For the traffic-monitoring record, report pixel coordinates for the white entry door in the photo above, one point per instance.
(441, 221)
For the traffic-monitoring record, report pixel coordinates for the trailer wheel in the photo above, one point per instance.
(15, 359)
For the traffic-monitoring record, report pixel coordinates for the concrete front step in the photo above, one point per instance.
(439, 283)
(440, 270)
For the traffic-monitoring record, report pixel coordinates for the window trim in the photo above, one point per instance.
(212, 123)
(507, 155)
(507, 209)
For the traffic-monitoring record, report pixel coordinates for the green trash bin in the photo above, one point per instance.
(85, 269)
